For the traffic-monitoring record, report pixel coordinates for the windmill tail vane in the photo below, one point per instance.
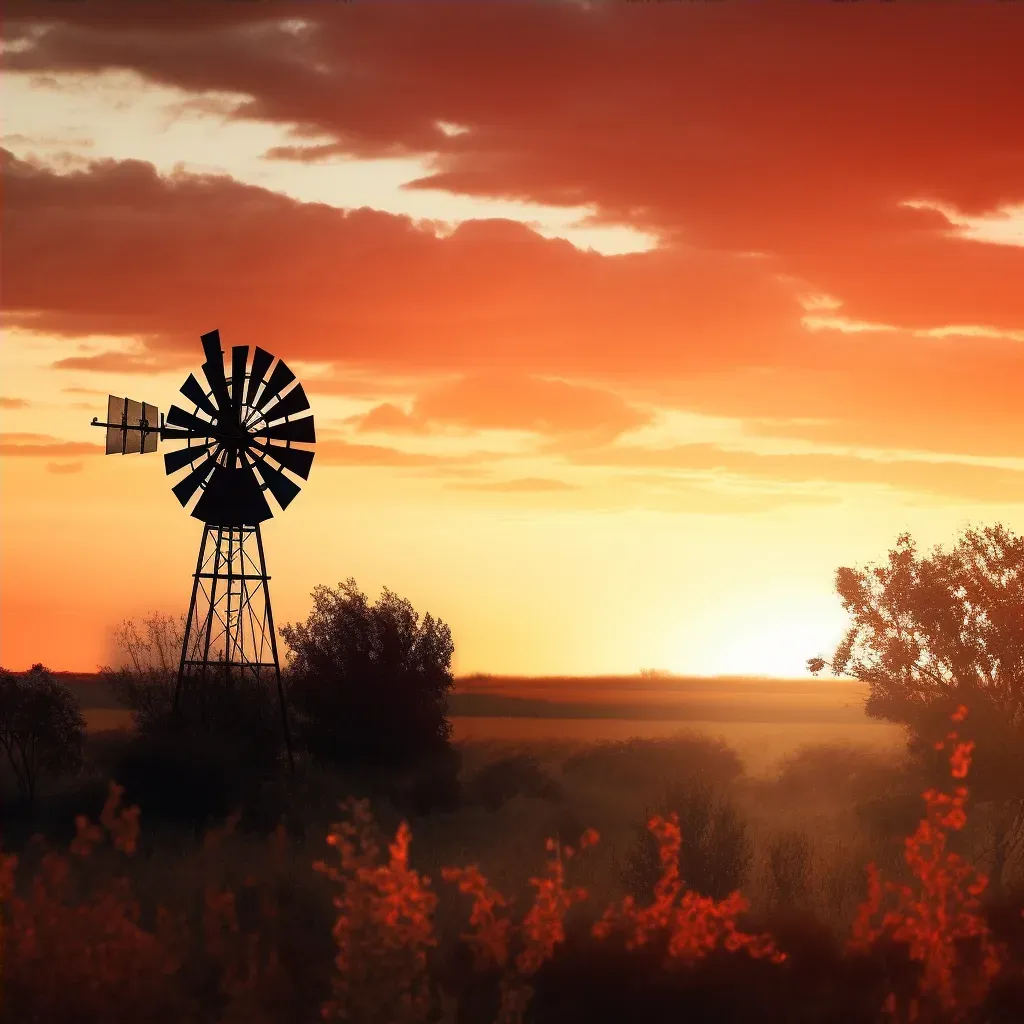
(247, 436)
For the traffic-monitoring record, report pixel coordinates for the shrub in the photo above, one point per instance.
(788, 870)
(185, 773)
(431, 786)
(716, 852)
(634, 763)
(369, 683)
(517, 775)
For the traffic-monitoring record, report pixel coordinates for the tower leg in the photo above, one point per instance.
(188, 621)
(230, 626)
(277, 662)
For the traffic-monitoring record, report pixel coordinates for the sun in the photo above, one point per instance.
(775, 640)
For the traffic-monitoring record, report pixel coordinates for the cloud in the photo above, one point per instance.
(378, 291)
(389, 419)
(13, 403)
(946, 480)
(62, 468)
(109, 362)
(337, 452)
(34, 445)
(498, 401)
(522, 485)
(806, 133)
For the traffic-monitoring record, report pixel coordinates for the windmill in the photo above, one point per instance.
(239, 443)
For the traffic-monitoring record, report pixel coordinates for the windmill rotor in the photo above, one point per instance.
(239, 437)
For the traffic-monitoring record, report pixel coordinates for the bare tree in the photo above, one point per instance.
(144, 680)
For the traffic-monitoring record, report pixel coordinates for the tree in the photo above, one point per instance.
(929, 633)
(149, 653)
(369, 683)
(41, 727)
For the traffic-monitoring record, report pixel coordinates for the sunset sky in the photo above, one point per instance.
(624, 325)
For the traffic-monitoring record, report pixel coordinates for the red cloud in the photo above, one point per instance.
(794, 132)
(361, 287)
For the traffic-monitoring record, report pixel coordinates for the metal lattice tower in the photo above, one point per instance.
(244, 436)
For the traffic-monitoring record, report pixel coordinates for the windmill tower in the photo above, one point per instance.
(243, 435)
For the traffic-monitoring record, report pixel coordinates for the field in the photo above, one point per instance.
(762, 719)
(812, 789)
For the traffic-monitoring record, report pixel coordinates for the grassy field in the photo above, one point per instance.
(762, 719)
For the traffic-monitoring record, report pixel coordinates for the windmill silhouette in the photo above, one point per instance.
(240, 441)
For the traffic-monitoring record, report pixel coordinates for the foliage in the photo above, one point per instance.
(369, 683)
(716, 856)
(496, 783)
(935, 919)
(929, 633)
(41, 727)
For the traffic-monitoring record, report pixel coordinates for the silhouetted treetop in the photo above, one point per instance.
(948, 627)
(930, 633)
(369, 682)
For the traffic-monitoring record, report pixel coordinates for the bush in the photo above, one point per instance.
(716, 852)
(788, 868)
(636, 762)
(517, 775)
(184, 773)
(432, 786)
(369, 683)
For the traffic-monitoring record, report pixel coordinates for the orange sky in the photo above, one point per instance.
(624, 325)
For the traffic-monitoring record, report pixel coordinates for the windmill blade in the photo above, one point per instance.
(278, 381)
(214, 373)
(261, 361)
(291, 405)
(213, 369)
(239, 361)
(233, 497)
(297, 460)
(292, 430)
(187, 486)
(211, 345)
(283, 489)
(173, 461)
(180, 418)
(194, 392)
